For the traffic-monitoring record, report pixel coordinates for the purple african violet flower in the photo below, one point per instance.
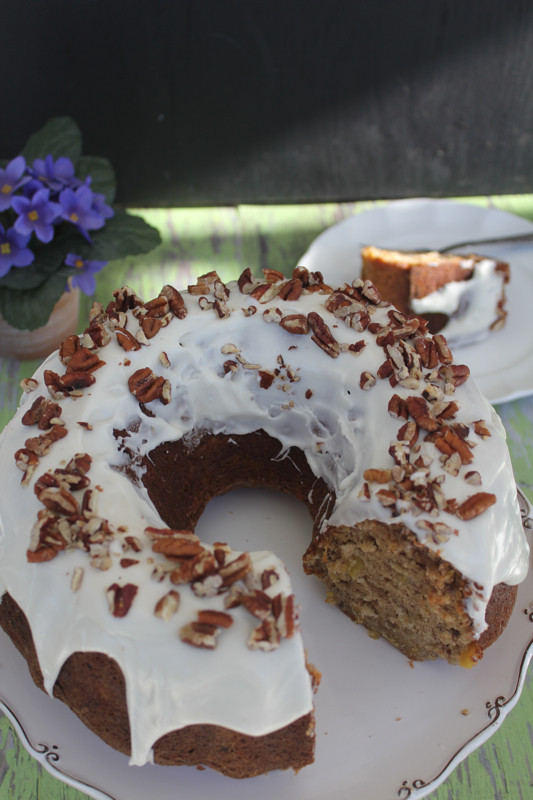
(11, 179)
(36, 215)
(100, 205)
(13, 250)
(55, 174)
(78, 208)
(85, 272)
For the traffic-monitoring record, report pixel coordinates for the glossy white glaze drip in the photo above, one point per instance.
(341, 429)
(470, 305)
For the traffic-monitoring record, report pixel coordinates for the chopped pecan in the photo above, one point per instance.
(84, 360)
(377, 475)
(272, 315)
(266, 636)
(291, 290)
(146, 386)
(475, 505)
(126, 340)
(367, 380)
(198, 635)
(26, 460)
(68, 384)
(257, 603)
(175, 301)
(397, 407)
(167, 605)
(454, 374)
(450, 443)
(120, 598)
(41, 413)
(96, 335)
(443, 351)
(29, 385)
(221, 619)
(157, 307)
(246, 281)
(266, 378)
(286, 616)
(295, 323)
(176, 543)
(68, 347)
(480, 427)
(419, 410)
(151, 326)
(126, 299)
(236, 570)
(264, 292)
(322, 335)
(77, 578)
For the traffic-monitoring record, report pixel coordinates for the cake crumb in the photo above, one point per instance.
(465, 712)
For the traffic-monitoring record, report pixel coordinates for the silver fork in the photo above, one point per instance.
(517, 237)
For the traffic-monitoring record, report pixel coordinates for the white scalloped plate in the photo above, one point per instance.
(386, 729)
(502, 364)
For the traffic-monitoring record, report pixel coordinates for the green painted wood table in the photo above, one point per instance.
(228, 239)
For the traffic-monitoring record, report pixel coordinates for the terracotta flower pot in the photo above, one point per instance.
(24, 344)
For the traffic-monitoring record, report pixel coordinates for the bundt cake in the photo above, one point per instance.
(188, 652)
(463, 295)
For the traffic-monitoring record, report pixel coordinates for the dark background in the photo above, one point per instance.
(205, 102)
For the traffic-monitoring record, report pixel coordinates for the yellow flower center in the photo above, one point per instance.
(33, 215)
(74, 217)
(5, 248)
(78, 263)
(6, 188)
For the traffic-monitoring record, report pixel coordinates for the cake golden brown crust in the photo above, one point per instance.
(92, 685)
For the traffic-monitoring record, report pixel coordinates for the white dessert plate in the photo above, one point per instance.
(386, 728)
(502, 364)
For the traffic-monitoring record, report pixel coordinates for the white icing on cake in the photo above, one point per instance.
(471, 305)
(314, 403)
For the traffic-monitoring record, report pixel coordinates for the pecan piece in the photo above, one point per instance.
(221, 619)
(126, 340)
(266, 636)
(199, 635)
(295, 323)
(257, 603)
(419, 409)
(167, 605)
(41, 413)
(236, 570)
(146, 386)
(120, 598)
(84, 360)
(151, 326)
(475, 505)
(175, 301)
(174, 543)
(26, 460)
(322, 335)
(67, 348)
(291, 290)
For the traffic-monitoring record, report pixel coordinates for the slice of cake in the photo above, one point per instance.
(465, 294)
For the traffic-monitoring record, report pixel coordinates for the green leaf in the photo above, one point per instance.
(31, 309)
(123, 235)
(59, 137)
(101, 172)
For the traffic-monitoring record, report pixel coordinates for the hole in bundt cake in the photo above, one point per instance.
(377, 573)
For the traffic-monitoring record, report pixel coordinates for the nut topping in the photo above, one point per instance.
(120, 598)
(146, 386)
